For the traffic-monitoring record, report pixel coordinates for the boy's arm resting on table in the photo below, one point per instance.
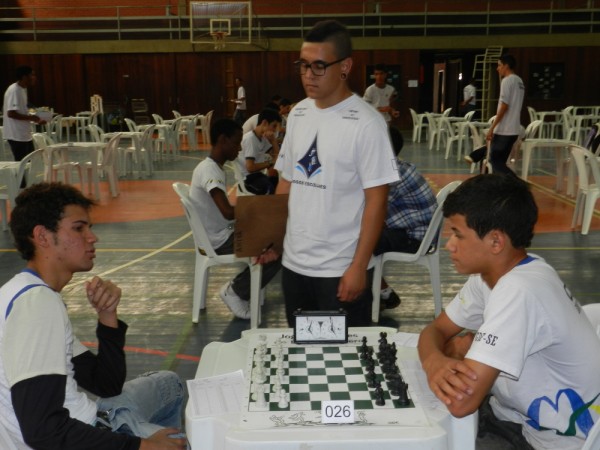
(354, 279)
(461, 384)
(220, 199)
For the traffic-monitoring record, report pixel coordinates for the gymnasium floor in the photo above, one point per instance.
(145, 246)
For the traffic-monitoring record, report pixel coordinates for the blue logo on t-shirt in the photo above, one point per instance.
(309, 164)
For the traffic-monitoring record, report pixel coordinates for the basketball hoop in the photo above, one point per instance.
(219, 39)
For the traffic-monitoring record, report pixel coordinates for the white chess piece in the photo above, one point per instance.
(283, 399)
(277, 386)
(261, 402)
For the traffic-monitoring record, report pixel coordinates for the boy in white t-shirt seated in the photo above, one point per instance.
(533, 348)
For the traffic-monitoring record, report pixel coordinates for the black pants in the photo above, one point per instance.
(20, 149)
(503, 430)
(241, 283)
(500, 149)
(320, 294)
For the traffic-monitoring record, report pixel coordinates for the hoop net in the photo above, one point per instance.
(219, 39)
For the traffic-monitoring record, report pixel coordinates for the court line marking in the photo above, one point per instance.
(174, 354)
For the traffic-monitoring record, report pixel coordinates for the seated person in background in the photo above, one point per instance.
(208, 193)
(285, 106)
(44, 367)
(259, 152)
(533, 349)
(252, 121)
(410, 207)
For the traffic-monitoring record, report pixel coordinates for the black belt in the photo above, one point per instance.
(103, 420)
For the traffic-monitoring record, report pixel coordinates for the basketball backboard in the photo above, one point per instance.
(221, 23)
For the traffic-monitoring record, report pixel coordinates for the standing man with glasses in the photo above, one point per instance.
(335, 162)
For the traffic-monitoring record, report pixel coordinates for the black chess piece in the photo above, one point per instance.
(403, 398)
(379, 395)
(394, 385)
(371, 379)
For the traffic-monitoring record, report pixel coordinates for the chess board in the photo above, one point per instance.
(316, 373)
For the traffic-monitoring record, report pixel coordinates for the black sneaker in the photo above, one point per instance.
(391, 302)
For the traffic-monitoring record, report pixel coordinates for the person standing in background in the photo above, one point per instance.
(382, 95)
(240, 102)
(17, 120)
(469, 97)
(507, 125)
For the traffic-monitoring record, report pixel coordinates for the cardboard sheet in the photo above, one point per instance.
(259, 223)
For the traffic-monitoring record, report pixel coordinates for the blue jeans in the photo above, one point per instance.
(147, 404)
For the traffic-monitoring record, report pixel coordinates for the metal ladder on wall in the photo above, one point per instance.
(484, 71)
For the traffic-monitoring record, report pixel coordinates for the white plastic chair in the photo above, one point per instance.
(428, 255)
(452, 135)
(418, 125)
(434, 131)
(587, 193)
(469, 115)
(54, 165)
(96, 133)
(140, 154)
(105, 163)
(8, 194)
(207, 258)
(447, 112)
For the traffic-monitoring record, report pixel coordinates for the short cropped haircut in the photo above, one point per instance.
(270, 115)
(23, 71)
(509, 60)
(334, 32)
(285, 102)
(495, 202)
(381, 67)
(225, 127)
(42, 204)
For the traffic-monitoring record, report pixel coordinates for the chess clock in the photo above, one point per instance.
(320, 327)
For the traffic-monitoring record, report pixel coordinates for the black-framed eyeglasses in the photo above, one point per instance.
(316, 67)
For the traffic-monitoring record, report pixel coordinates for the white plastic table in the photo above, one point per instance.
(223, 432)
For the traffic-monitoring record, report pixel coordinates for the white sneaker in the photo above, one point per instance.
(238, 307)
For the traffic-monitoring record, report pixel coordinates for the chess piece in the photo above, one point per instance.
(379, 395)
(283, 399)
(371, 378)
(261, 401)
(403, 398)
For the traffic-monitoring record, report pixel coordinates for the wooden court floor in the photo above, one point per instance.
(145, 246)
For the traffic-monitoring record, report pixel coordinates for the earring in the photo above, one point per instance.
(343, 76)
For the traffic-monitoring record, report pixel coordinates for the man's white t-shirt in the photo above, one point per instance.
(380, 97)
(512, 92)
(532, 329)
(15, 99)
(207, 176)
(33, 350)
(241, 104)
(330, 156)
(469, 92)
